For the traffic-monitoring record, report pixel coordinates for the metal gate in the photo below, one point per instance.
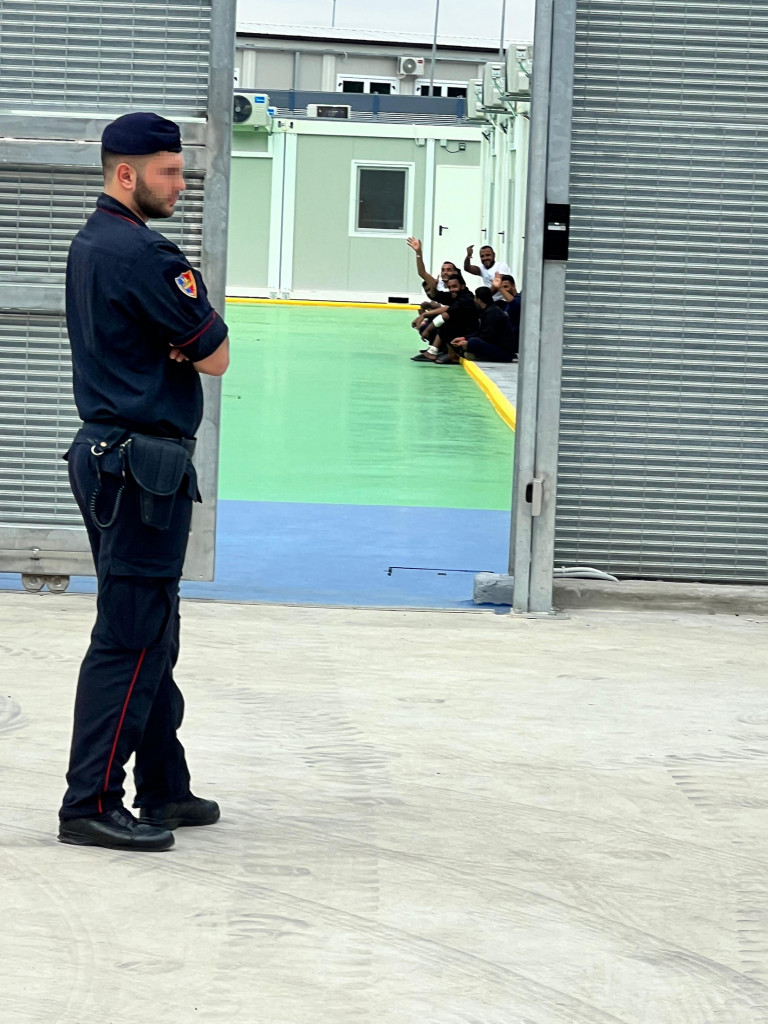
(663, 453)
(66, 70)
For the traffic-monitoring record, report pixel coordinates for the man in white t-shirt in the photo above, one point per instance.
(488, 269)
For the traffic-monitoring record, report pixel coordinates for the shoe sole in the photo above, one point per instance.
(173, 823)
(131, 848)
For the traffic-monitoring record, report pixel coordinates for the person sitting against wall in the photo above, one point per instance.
(430, 319)
(505, 286)
(436, 288)
(488, 269)
(459, 319)
(495, 340)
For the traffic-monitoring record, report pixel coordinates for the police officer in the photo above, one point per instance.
(141, 331)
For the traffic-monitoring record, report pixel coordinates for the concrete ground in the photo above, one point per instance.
(432, 817)
(504, 376)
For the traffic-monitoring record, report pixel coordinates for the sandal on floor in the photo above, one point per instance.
(422, 357)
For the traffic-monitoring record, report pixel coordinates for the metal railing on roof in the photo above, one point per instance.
(376, 108)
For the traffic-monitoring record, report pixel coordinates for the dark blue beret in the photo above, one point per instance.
(141, 133)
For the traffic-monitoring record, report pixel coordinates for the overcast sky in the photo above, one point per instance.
(458, 18)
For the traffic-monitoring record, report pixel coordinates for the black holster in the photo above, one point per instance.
(158, 466)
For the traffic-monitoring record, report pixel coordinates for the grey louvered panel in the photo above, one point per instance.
(66, 69)
(37, 421)
(105, 57)
(42, 210)
(688, 183)
(697, 60)
(663, 467)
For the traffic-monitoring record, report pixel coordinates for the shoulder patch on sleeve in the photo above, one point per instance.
(187, 284)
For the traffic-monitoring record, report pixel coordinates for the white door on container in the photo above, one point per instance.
(458, 214)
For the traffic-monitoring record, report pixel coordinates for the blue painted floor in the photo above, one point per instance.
(288, 553)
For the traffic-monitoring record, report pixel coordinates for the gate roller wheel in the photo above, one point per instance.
(57, 584)
(32, 583)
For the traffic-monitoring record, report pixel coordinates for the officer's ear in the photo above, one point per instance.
(126, 175)
(123, 169)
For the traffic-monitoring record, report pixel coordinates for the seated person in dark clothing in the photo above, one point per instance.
(505, 286)
(460, 318)
(512, 302)
(495, 340)
(431, 319)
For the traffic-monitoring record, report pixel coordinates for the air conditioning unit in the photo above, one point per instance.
(410, 65)
(339, 111)
(519, 63)
(252, 110)
(475, 100)
(494, 86)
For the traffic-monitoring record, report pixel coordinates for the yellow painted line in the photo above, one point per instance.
(321, 302)
(499, 401)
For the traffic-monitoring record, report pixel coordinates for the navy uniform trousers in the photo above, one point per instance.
(127, 701)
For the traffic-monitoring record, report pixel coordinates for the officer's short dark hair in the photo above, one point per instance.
(484, 294)
(509, 279)
(457, 277)
(110, 160)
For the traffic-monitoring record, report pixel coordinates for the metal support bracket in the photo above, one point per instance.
(534, 495)
(557, 228)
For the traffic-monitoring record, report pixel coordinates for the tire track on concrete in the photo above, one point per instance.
(342, 776)
(718, 796)
(11, 716)
(750, 985)
(556, 1005)
(76, 997)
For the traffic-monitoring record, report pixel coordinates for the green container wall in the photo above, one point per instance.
(325, 255)
(249, 212)
(326, 258)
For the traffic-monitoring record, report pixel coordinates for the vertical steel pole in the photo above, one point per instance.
(274, 264)
(428, 229)
(493, 176)
(528, 374)
(553, 308)
(218, 145)
(501, 35)
(434, 51)
(518, 223)
(296, 68)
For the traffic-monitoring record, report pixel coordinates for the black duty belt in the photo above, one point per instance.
(106, 435)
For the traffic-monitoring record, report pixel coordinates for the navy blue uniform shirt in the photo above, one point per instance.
(131, 297)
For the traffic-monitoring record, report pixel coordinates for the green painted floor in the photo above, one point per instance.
(323, 405)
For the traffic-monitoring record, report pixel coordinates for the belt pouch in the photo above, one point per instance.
(158, 467)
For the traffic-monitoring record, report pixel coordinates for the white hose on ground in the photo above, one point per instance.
(582, 572)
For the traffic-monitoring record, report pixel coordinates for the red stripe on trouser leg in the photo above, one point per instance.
(120, 725)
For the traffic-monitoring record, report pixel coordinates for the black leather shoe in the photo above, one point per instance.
(194, 811)
(115, 830)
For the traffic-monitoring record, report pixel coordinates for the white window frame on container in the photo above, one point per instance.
(366, 80)
(354, 192)
(424, 83)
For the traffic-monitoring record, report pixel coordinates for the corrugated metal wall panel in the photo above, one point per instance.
(59, 55)
(66, 69)
(37, 421)
(41, 210)
(664, 426)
